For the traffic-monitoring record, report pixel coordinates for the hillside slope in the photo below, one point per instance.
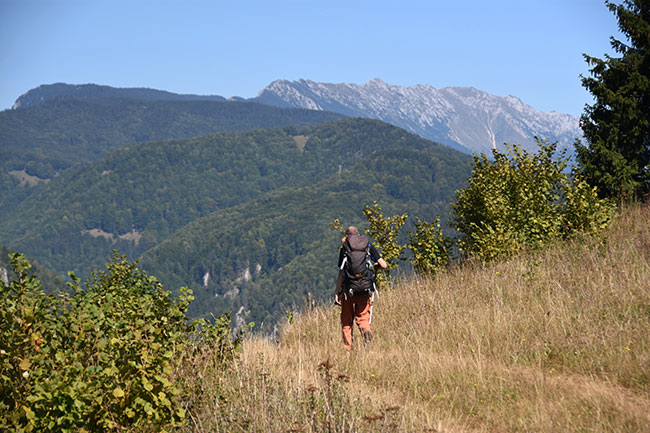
(142, 193)
(60, 127)
(56, 134)
(48, 92)
(546, 342)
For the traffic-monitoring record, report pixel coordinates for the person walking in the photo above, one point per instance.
(355, 284)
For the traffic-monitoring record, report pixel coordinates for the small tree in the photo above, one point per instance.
(430, 247)
(616, 158)
(384, 231)
(522, 200)
(336, 225)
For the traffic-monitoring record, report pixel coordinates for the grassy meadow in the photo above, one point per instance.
(550, 341)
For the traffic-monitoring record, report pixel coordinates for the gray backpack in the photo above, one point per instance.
(357, 265)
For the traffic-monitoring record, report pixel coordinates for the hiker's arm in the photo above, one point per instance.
(375, 253)
(339, 288)
(339, 277)
(339, 282)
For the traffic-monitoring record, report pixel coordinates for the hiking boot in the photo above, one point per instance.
(367, 337)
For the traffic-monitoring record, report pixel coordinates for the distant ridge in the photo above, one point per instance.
(94, 91)
(462, 117)
(61, 131)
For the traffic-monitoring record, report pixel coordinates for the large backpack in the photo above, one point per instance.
(357, 265)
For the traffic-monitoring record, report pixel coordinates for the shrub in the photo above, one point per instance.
(99, 360)
(384, 231)
(522, 200)
(430, 247)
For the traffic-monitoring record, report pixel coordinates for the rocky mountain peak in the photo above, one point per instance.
(465, 118)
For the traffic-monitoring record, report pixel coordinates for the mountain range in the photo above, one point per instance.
(465, 118)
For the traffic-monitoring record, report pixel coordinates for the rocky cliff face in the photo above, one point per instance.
(4, 276)
(462, 117)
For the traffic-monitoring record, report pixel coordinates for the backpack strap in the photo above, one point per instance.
(346, 247)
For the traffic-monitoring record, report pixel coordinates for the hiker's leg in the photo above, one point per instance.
(347, 320)
(362, 306)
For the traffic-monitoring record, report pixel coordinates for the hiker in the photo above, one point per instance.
(355, 284)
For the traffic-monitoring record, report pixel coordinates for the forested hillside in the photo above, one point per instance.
(56, 134)
(40, 142)
(142, 193)
(47, 92)
(267, 255)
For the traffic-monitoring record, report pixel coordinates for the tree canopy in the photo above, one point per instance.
(616, 157)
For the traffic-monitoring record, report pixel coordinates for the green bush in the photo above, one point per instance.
(384, 231)
(431, 249)
(522, 200)
(102, 359)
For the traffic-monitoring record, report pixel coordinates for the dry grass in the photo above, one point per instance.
(556, 341)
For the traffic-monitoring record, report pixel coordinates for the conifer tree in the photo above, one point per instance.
(617, 126)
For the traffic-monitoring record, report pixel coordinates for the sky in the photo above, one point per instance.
(531, 49)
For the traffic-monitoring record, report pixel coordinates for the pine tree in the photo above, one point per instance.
(617, 126)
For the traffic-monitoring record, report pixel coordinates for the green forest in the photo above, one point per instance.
(255, 202)
(267, 255)
(46, 139)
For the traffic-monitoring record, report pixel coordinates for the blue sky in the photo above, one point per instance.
(528, 48)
